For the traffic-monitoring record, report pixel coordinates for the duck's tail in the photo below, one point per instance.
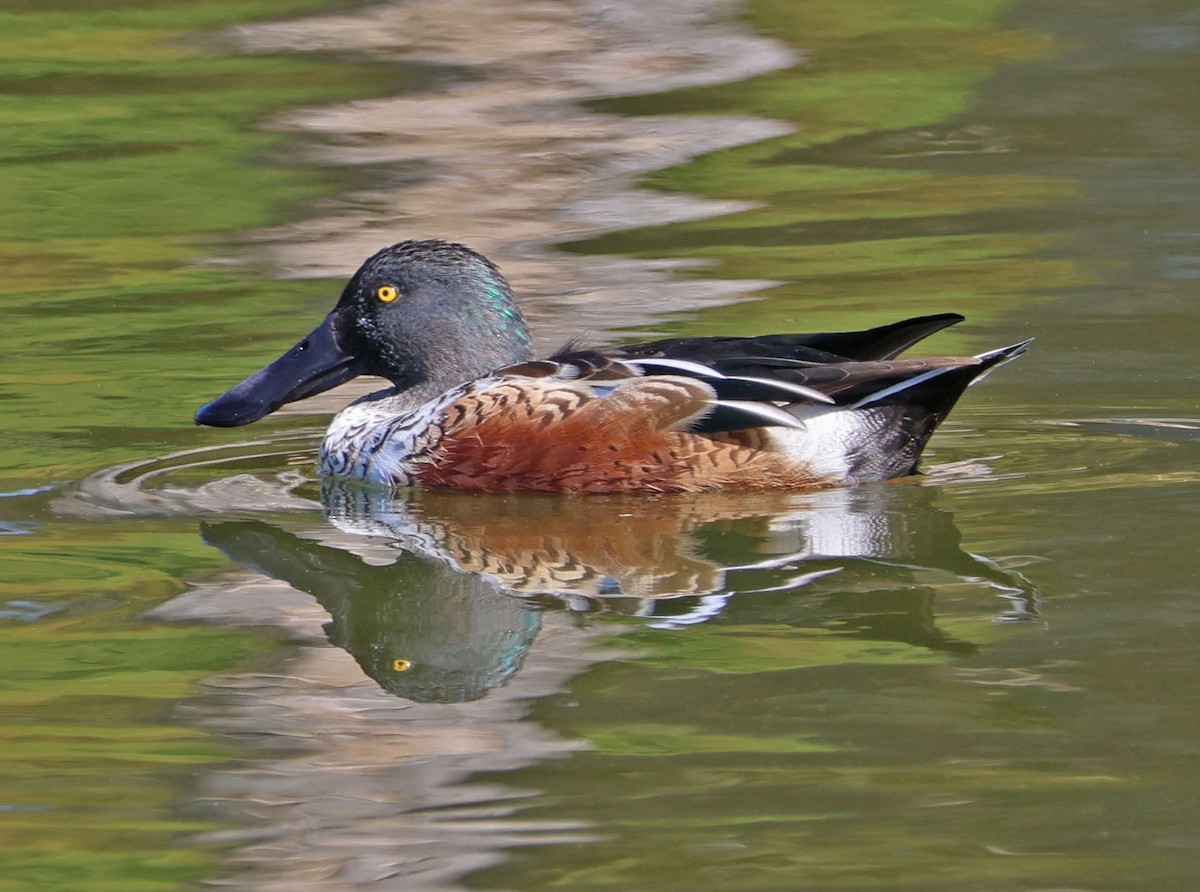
(996, 358)
(904, 415)
(942, 386)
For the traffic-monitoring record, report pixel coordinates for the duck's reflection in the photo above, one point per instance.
(456, 606)
(420, 630)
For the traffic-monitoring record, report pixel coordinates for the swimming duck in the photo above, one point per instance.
(470, 407)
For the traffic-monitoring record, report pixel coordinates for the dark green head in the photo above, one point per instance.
(427, 314)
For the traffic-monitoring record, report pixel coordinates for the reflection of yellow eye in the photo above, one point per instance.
(401, 665)
(387, 293)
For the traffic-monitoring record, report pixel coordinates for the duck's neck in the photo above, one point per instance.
(372, 437)
(387, 402)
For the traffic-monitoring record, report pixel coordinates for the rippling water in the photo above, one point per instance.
(219, 670)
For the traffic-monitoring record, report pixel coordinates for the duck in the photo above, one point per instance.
(469, 406)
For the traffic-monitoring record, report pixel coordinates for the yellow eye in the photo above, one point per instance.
(401, 665)
(387, 293)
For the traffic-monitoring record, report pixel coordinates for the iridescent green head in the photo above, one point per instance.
(427, 314)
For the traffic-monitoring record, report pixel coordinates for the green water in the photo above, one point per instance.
(128, 155)
(985, 679)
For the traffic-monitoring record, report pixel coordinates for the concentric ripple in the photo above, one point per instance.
(255, 475)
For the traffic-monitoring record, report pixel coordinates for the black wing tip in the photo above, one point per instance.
(941, 320)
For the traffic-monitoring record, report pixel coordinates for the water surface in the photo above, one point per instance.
(217, 671)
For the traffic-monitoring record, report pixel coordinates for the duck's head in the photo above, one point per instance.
(421, 314)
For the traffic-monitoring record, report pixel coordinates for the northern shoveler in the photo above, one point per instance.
(470, 407)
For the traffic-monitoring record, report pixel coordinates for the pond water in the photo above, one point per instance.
(218, 671)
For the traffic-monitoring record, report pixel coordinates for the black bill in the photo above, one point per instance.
(313, 366)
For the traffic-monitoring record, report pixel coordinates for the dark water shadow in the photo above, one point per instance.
(457, 602)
